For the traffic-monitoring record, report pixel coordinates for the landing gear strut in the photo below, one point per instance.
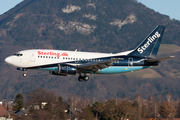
(25, 73)
(23, 69)
(80, 78)
(83, 78)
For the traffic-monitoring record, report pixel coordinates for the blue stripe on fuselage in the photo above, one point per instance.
(110, 70)
(115, 70)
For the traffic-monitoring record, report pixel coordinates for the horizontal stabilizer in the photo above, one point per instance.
(158, 59)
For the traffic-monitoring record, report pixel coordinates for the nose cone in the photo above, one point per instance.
(8, 60)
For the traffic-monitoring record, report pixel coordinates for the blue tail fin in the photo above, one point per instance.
(150, 45)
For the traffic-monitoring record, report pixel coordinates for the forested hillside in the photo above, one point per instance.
(88, 25)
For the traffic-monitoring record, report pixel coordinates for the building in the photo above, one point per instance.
(3, 113)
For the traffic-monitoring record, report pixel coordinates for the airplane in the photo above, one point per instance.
(63, 63)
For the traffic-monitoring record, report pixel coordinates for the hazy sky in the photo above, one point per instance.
(167, 7)
(5, 5)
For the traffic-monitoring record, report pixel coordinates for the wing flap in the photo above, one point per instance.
(97, 65)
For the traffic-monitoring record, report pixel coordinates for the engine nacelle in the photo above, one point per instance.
(64, 70)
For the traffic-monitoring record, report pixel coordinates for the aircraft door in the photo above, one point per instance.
(130, 62)
(32, 57)
(76, 61)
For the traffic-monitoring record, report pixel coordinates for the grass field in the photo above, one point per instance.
(168, 48)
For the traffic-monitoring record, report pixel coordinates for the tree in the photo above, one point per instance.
(87, 114)
(38, 115)
(167, 110)
(111, 110)
(60, 99)
(58, 110)
(18, 102)
(98, 109)
(152, 107)
(38, 96)
(54, 109)
(124, 109)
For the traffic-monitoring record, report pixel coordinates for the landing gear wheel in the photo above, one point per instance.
(80, 78)
(24, 74)
(86, 78)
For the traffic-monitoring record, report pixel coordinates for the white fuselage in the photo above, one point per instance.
(39, 57)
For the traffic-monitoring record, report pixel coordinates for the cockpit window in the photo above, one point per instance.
(18, 54)
(15, 54)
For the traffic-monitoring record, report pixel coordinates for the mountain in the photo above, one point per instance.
(88, 25)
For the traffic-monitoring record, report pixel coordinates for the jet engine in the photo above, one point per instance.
(64, 70)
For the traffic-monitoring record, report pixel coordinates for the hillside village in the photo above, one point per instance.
(44, 104)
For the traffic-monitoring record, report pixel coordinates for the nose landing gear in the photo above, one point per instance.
(25, 71)
(25, 74)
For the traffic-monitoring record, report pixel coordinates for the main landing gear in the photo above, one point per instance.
(83, 78)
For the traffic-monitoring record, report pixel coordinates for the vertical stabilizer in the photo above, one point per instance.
(150, 45)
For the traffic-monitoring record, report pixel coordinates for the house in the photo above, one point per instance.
(3, 113)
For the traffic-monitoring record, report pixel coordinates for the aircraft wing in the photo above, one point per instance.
(158, 59)
(95, 66)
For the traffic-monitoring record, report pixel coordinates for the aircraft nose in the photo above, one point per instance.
(8, 60)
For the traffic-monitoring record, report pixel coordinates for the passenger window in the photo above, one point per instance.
(46, 56)
(43, 56)
(54, 57)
